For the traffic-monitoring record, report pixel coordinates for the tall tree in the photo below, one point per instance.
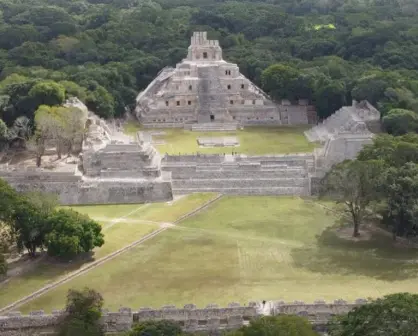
(400, 121)
(6, 240)
(49, 127)
(8, 197)
(401, 193)
(73, 123)
(394, 151)
(83, 310)
(47, 93)
(354, 184)
(29, 224)
(71, 233)
(279, 81)
(393, 315)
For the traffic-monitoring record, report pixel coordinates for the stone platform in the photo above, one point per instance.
(240, 174)
(218, 142)
(213, 127)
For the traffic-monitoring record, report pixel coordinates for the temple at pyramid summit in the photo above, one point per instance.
(205, 89)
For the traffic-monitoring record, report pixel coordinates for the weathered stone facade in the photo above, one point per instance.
(204, 88)
(344, 134)
(240, 174)
(113, 169)
(211, 319)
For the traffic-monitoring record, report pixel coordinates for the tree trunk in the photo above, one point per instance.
(356, 220)
(396, 226)
(356, 231)
(59, 149)
(38, 160)
(32, 251)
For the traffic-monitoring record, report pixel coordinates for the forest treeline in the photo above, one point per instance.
(106, 51)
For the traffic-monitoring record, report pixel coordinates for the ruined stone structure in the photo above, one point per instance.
(210, 319)
(113, 168)
(207, 90)
(341, 136)
(241, 174)
(344, 134)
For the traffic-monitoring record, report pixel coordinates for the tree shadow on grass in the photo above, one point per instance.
(47, 270)
(377, 257)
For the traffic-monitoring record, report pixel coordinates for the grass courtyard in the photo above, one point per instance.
(122, 225)
(253, 140)
(247, 248)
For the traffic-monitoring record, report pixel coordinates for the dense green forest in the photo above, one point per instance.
(106, 51)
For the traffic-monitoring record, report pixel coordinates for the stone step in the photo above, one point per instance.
(208, 168)
(237, 175)
(187, 172)
(214, 127)
(240, 182)
(117, 173)
(268, 191)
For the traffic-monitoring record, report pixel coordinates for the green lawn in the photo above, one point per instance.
(122, 225)
(246, 248)
(253, 140)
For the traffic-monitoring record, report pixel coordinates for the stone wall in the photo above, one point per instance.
(192, 319)
(72, 189)
(194, 158)
(340, 148)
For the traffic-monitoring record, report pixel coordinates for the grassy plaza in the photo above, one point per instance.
(246, 248)
(122, 225)
(253, 140)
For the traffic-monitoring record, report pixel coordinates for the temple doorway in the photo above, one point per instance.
(212, 117)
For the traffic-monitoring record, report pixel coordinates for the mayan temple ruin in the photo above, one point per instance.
(203, 93)
(205, 89)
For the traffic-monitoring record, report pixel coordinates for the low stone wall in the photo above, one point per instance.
(212, 318)
(39, 176)
(187, 172)
(189, 317)
(72, 189)
(239, 183)
(285, 158)
(198, 158)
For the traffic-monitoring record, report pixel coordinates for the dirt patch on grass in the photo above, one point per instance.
(347, 234)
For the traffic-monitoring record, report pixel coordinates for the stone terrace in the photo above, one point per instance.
(239, 174)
